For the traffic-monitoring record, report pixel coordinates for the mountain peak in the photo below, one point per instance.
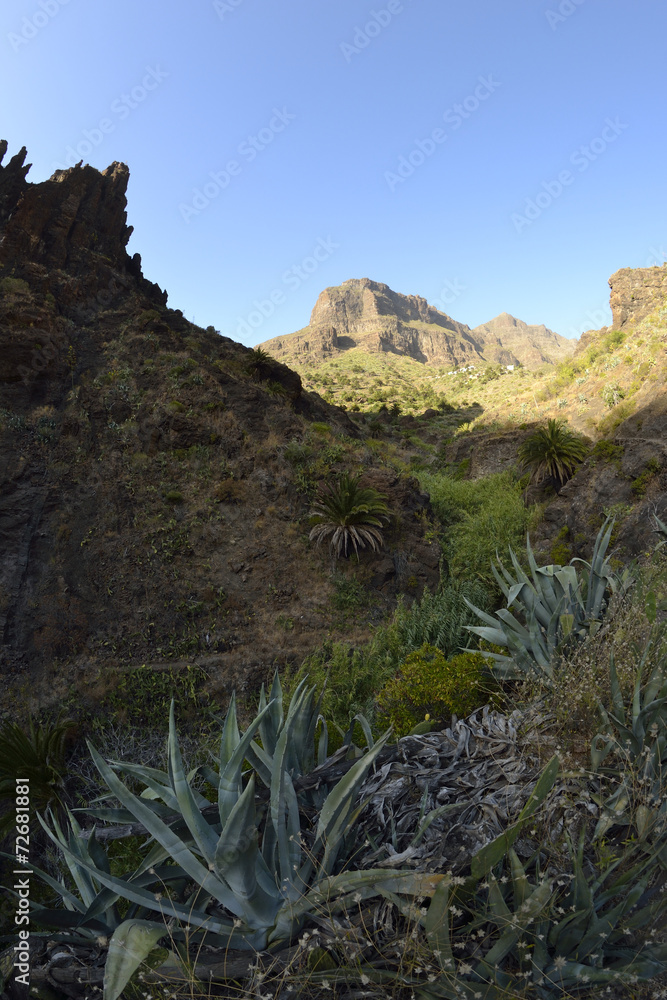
(506, 336)
(369, 315)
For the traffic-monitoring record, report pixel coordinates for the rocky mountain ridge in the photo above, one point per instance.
(370, 316)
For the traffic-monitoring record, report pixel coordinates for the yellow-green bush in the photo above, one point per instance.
(429, 684)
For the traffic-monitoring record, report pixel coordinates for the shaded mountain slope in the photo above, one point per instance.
(149, 512)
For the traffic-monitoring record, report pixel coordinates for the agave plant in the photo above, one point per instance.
(558, 607)
(661, 531)
(349, 515)
(236, 879)
(558, 934)
(635, 739)
(520, 930)
(553, 451)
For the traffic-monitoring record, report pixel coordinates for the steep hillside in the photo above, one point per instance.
(370, 317)
(613, 390)
(151, 510)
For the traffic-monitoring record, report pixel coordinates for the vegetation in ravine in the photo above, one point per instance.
(594, 390)
(546, 915)
(250, 856)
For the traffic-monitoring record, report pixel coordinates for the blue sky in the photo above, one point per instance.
(491, 157)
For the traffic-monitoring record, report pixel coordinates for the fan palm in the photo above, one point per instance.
(553, 451)
(37, 756)
(348, 515)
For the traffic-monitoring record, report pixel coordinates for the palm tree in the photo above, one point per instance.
(553, 451)
(348, 513)
(38, 756)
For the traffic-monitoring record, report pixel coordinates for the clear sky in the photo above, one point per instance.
(489, 156)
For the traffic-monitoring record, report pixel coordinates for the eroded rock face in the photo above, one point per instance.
(406, 561)
(635, 292)
(369, 315)
(606, 485)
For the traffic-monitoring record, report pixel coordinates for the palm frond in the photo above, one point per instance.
(349, 515)
(552, 451)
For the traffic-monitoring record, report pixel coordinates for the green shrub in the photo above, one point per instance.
(297, 452)
(351, 679)
(173, 496)
(430, 684)
(349, 594)
(561, 552)
(143, 696)
(607, 451)
(439, 619)
(10, 286)
(640, 484)
(612, 340)
(480, 516)
(619, 413)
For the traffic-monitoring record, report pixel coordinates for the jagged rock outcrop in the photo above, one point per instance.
(635, 292)
(371, 316)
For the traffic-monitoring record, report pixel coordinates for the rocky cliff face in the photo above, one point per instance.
(635, 292)
(148, 513)
(505, 339)
(369, 315)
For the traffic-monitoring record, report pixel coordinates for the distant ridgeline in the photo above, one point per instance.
(368, 315)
